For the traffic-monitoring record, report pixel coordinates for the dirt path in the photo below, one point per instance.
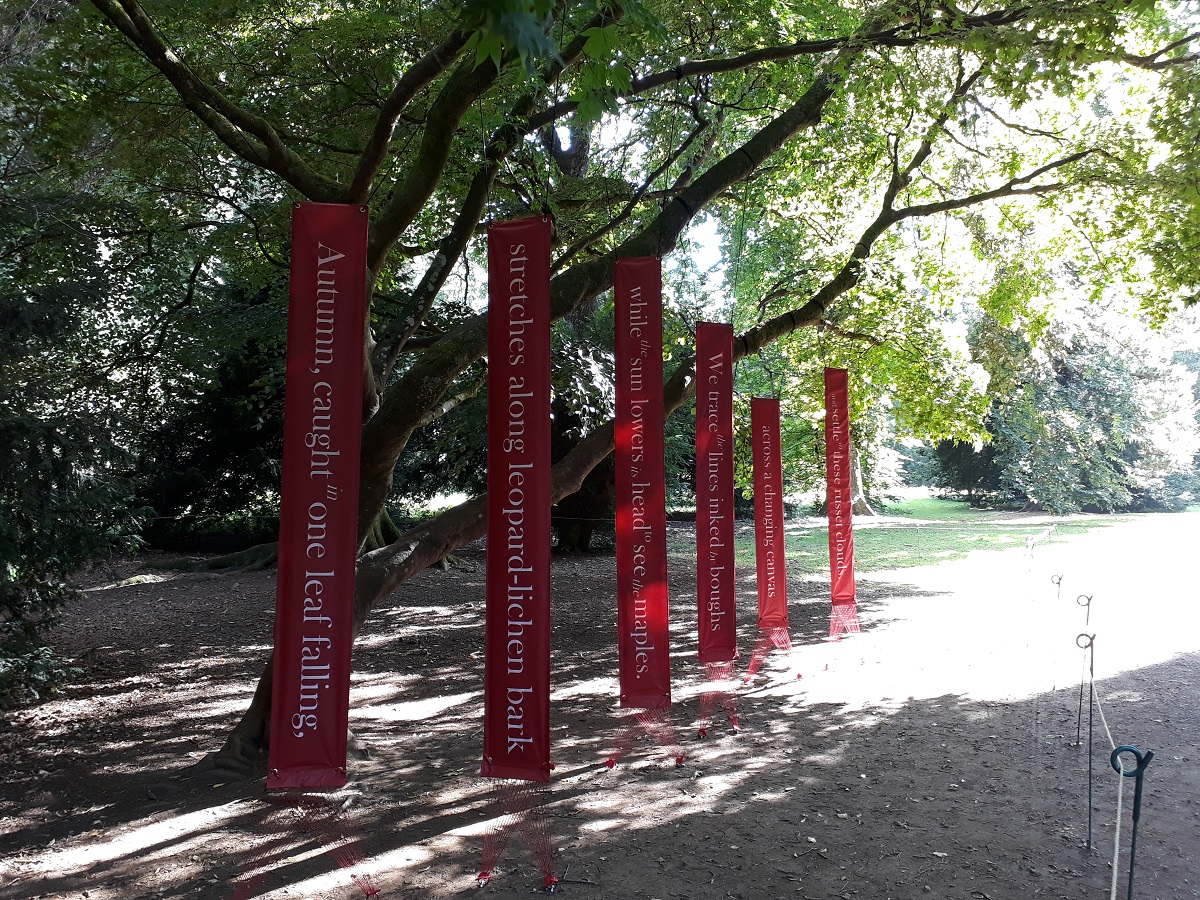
(931, 756)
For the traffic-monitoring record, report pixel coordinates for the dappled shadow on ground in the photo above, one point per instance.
(896, 791)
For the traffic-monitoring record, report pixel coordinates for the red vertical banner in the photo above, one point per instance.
(516, 701)
(838, 501)
(318, 524)
(714, 493)
(643, 638)
(769, 514)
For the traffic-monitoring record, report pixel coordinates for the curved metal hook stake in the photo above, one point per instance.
(1138, 772)
(1085, 600)
(1143, 760)
(1087, 642)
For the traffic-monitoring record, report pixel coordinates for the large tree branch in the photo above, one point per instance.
(451, 403)
(465, 86)
(905, 34)
(849, 275)
(632, 203)
(251, 137)
(1158, 60)
(418, 76)
(398, 332)
(405, 403)
(1021, 186)
(902, 178)
(468, 84)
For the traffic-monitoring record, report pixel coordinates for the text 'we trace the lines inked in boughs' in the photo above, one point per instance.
(714, 478)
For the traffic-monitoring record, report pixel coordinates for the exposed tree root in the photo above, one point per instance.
(252, 559)
(241, 759)
(382, 533)
(861, 507)
(244, 754)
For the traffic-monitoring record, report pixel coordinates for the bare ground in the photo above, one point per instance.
(934, 755)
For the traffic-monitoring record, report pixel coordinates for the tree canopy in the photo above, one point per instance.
(851, 159)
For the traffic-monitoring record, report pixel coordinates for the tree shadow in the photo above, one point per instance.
(816, 797)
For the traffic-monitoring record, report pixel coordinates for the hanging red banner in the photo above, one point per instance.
(318, 522)
(714, 492)
(838, 500)
(643, 638)
(769, 514)
(516, 701)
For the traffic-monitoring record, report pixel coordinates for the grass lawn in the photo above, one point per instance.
(918, 532)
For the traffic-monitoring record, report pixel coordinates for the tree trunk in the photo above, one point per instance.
(381, 571)
(858, 497)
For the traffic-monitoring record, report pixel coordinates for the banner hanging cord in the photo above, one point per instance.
(483, 159)
(553, 92)
(739, 250)
(665, 181)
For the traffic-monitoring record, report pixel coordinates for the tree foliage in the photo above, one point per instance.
(63, 486)
(832, 146)
(1094, 417)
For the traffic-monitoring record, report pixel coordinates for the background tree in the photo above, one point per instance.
(214, 484)
(1095, 417)
(64, 483)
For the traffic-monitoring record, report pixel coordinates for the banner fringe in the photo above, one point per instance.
(324, 818)
(768, 639)
(655, 723)
(518, 805)
(717, 676)
(843, 620)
